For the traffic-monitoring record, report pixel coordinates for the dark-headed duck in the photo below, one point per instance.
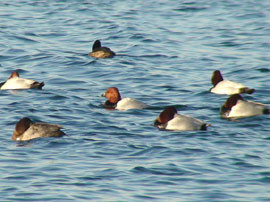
(236, 107)
(25, 129)
(15, 82)
(169, 119)
(99, 51)
(116, 102)
(223, 86)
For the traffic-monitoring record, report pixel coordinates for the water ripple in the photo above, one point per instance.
(166, 53)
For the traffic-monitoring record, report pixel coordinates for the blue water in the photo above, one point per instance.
(167, 51)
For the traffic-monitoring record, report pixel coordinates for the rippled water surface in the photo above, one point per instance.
(166, 53)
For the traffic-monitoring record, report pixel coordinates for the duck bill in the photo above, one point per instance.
(14, 136)
(156, 123)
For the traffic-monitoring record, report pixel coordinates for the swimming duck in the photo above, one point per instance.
(25, 129)
(169, 119)
(101, 52)
(15, 82)
(223, 86)
(236, 107)
(116, 102)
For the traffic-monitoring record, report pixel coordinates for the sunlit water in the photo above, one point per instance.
(166, 53)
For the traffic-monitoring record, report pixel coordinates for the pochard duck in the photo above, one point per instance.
(15, 82)
(169, 119)
(25, 129)
(236, 107)
(223, 86)
(99, 51)
(116, 102)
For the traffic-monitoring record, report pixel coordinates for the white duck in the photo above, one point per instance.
(15, 82)
(169, 119)
(236, 107)
(116, 102)
(223, 86)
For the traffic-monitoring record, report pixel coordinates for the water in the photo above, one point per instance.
(167, 51)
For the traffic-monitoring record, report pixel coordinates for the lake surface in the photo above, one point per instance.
(166, 53)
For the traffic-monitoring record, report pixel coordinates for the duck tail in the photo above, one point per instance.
(1, 84)
(204, 126)
(266, 111)
(37, 85)
(247, 90)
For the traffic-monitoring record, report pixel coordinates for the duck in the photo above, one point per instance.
(26, 129)
(223, 86)
(16, 82)
(116, 102)
(169, 119)
(99, 51)
(236, 107)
